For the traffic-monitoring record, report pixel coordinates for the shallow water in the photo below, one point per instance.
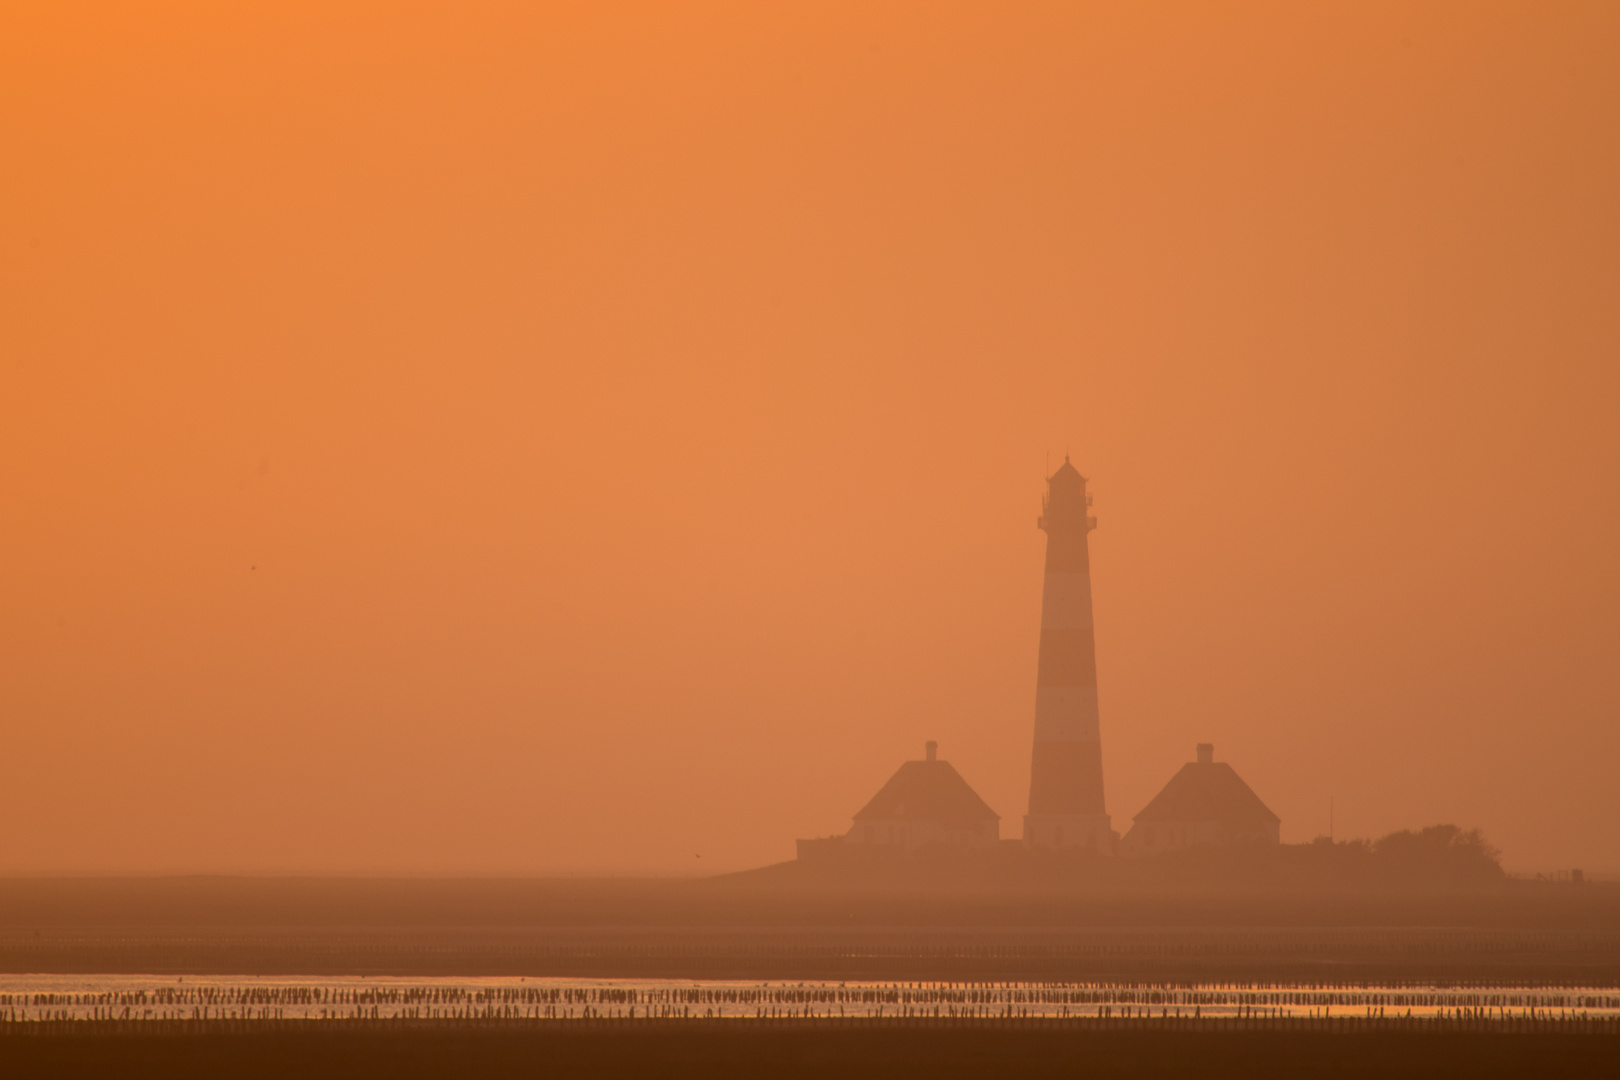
(28, 998)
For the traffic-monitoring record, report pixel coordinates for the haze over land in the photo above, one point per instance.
(490, 441)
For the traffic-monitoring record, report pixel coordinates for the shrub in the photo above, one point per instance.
(1439, 852)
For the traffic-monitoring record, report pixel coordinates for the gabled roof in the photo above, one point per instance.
(928, 791)
(1207, 791)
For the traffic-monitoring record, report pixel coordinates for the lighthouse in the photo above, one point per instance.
(1065, 775)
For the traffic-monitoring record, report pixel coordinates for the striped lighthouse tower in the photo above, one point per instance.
(1065, 775)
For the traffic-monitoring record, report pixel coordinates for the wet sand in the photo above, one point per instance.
(803, 1049)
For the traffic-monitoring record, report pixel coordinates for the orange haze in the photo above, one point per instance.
(515, 438)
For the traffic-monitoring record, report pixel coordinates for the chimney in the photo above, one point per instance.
(1206, 753)
(930, 750)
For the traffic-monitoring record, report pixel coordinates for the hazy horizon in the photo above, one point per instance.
(508, 441)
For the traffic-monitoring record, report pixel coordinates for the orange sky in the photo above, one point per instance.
(461, 438)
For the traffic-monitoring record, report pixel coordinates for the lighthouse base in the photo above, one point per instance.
(1070, 831)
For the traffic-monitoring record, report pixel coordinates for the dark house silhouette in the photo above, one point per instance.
(1207, 802)
(925, 804)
